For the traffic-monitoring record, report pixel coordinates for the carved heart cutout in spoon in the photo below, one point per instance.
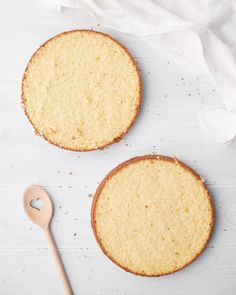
(37, 203)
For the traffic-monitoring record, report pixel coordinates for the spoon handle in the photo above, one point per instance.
(58, 261)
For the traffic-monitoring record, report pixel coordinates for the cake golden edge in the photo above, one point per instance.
(134, 160)
(120, 136)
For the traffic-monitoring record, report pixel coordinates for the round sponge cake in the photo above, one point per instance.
(81, 90)
(152, 215)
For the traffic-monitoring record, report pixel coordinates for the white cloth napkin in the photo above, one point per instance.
(198, 34)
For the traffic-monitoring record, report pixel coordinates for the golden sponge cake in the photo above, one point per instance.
(152, 215)
(81, 90)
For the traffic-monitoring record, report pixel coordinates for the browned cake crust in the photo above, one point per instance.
(120, 136)
(121, 166)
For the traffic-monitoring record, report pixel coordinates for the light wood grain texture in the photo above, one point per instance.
(38, 207)
(167, 124)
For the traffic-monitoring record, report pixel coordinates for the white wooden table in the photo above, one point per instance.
(167, 124)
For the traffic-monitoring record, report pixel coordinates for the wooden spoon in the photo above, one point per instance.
(41, 214)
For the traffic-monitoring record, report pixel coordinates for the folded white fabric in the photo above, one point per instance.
(198, 34)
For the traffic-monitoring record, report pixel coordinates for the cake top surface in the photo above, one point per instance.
(152, 215)
(81, 90)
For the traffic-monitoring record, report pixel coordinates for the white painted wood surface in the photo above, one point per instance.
(167, 124)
